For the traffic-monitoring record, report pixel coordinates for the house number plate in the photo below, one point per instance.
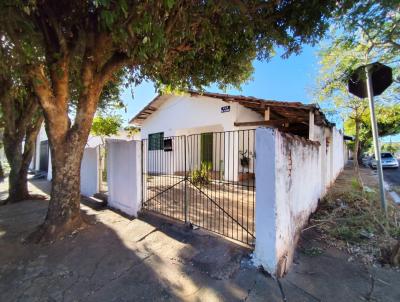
(225, 109)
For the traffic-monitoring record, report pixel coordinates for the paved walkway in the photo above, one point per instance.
(118, 259)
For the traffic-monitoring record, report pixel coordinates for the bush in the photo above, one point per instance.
(202, 177)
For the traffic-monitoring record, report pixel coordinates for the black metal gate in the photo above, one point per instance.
(205, 179)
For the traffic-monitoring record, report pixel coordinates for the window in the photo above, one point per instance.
(156, 141)
(168, 144)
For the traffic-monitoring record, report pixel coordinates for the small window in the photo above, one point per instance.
(156, 141)
(168, 144)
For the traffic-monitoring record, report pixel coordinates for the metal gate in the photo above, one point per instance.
(205, 179)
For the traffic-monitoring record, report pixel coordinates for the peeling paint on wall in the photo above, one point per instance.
(302, 171)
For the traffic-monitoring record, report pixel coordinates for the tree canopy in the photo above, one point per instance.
(74, 49)
(363, 32)
(106, 125)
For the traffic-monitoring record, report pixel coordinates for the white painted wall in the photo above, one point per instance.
(124, 175)
(291, 176)
(180, 113)
(187, 115)
(90, 172)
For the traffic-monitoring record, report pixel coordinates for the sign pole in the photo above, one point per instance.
(375, 137)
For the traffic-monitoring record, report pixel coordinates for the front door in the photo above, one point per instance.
(207, 148)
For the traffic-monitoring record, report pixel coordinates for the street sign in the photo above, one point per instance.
(369, 81)
(381, 76)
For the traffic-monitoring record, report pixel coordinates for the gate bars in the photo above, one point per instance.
(204, 179)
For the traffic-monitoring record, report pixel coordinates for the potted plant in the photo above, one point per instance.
(244, 159)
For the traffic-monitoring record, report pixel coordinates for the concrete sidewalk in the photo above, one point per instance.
(148, 259)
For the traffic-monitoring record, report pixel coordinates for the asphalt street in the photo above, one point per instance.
(392, 176)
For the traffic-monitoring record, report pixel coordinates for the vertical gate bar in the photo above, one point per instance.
(219, 184)
(254, 183)
(224, 185)
(242, 198)
(228, 180)
(186, 216)
(142, 173)
(214, 176)
(248, 191)
(191, 164)
(236, 187)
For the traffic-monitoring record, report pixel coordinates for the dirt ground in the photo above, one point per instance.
(222, 207)
(147, 259)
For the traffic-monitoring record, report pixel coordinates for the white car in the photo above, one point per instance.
(387, 160)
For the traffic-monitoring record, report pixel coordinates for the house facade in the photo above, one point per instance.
(249, 169)
(220, 128)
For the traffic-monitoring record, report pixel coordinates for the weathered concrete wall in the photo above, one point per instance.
(292, 174)
(298, 188)
(124, 175)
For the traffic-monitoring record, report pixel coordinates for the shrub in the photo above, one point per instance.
(201, 177)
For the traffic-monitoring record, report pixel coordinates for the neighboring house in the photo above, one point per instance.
(41, 161)
(93, 168)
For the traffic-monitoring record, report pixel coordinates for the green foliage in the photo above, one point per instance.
(355, 184)
(388, 119)
(173, 44)
(312, 251)
(106, 125)
(363, 32)
(201, 177)
(393, 148)
(131, 130)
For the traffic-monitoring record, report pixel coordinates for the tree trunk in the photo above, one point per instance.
(356, 151)
(63, 215)
(19, 157)
(67, 141)
(67, 146)
(1, 172)
(17, 185)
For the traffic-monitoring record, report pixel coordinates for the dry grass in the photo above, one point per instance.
(350, 217)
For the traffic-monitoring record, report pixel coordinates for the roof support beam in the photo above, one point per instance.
(311, 125)
(267, 114)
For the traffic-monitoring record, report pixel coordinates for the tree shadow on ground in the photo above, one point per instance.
(116, 259)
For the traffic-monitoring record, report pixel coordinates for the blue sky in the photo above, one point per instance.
(280, 79)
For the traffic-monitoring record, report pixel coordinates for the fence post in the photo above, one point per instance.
(186, 179)
(265, 210)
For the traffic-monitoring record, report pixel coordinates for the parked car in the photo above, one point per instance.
(387, 159)
(366, 160)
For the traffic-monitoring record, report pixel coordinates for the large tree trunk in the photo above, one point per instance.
(63, 215)
(67, 140)
(67, 143)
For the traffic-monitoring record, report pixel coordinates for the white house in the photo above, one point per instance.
(218, 122)
(266, 162)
